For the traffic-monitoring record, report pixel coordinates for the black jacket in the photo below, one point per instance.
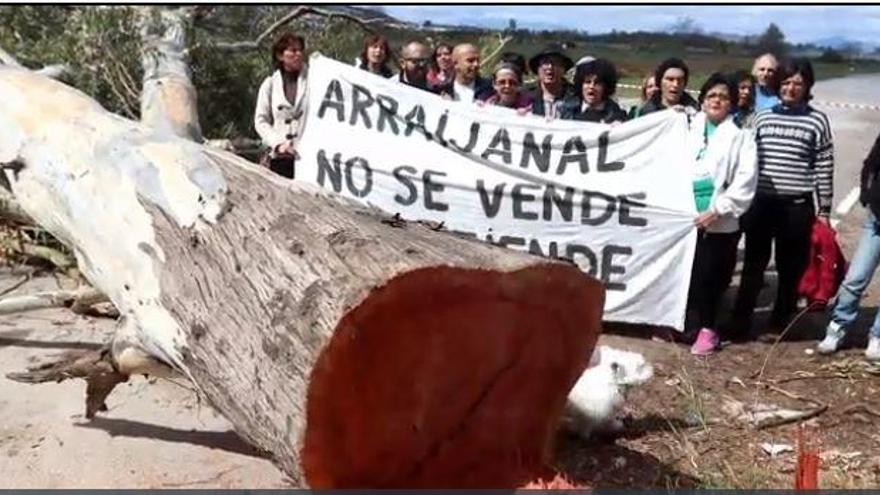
(424, 86)
(482, 89)
(870, 193)
(384, 71)
(568, 93)
(655, 104)
(611, 112)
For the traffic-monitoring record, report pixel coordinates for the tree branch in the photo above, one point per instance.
(54, 71)
(79, 299)
(7, 59)
(296, 13)
(10, 209)
(504, 42)
(96, 367)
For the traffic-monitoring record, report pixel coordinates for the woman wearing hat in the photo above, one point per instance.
(597, 81)
(552, 90)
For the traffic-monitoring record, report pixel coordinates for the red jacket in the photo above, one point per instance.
(826, 269)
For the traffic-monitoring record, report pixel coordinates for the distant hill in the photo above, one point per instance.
(845, 44)
(371, 15)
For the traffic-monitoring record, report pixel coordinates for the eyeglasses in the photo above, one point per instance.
(420, 62)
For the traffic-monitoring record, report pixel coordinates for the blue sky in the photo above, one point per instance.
(800, 23)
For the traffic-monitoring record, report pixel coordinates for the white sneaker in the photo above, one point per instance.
(872, 353)
(833, 337)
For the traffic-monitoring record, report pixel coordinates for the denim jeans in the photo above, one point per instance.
(858, 276)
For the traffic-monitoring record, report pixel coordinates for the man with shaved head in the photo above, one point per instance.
(468, 85)
(764, 71)
(415, 60)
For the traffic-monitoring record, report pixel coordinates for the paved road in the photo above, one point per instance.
(854, 129)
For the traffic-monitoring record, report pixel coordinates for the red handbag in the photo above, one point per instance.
(827, 267)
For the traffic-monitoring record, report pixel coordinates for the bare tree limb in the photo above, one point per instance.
(504, 42)
(861, 406)
(296, 13)
(234, 145)
(95, 366)
(19, 283)
(57, 299)
(54, 71)
(61, 260)
(7, 59)
(785, 417)
(11, 210)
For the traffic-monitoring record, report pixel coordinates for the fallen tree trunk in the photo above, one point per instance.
(358, 352)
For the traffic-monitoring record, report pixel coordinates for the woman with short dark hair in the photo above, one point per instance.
(281, 102)
(672, 78)
(724, 180)
(744, 116)
(375, 56)
(594, 82)
(796, 164)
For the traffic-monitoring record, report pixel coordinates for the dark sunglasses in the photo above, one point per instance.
(421, 62)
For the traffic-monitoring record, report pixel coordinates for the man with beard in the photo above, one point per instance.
(468, 85)
(415, 60)
(553, 89)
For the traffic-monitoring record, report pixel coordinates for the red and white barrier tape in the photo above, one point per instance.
(849, 106)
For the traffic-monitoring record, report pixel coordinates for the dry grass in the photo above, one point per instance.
(682, 437)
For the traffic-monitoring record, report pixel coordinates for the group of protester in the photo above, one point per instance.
(763, 157)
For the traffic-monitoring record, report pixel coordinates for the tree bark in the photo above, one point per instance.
(358, 351)
(168, 96)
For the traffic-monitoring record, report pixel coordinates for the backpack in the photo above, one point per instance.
(826, 269)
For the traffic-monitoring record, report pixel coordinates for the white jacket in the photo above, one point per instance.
(276, 119)
(731, 158)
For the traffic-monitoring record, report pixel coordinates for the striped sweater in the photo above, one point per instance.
(795, 153)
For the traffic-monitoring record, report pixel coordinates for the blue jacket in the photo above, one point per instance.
(765, 98)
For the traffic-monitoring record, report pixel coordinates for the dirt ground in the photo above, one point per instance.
(156, 434)
(682, 436)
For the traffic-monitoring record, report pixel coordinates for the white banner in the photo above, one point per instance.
(617, 201)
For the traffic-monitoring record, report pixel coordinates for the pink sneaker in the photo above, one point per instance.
(706, 344)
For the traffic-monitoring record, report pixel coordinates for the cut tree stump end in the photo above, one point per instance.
(450, 377)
